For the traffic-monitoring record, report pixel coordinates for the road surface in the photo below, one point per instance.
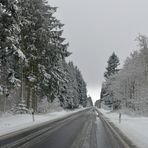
(84, 131)
(81, 130)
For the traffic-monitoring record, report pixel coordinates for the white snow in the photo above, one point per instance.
(21, 54)
(135, 128)
(11, 123)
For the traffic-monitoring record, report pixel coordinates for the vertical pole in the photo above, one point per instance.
(5, 102)
(22, 87)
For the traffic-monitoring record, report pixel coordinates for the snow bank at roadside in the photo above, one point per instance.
(135, 128)
(10, 123)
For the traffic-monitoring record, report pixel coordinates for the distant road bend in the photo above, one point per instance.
(80, 130)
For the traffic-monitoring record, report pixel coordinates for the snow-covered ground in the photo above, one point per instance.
(10, 123)
(135, 128)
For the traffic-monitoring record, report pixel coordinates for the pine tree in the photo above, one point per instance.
(10, 51)
(112, 67)
(82, 91)
(32, 57)
(73, 89)
(73, 85)
(107, 94)
(43, 45)
(89, 102)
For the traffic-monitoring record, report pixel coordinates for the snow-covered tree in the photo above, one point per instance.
(44, 48)
(73, 89)
(89, 102)
(33, 58)
(112, 67)
(82, 91)
(10, 51)
(107, 95)
(129, 86)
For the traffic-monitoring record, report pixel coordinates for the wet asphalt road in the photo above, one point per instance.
(80, 130)
(84, 131)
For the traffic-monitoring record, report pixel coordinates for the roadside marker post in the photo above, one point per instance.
(119, 117)
(32, 112)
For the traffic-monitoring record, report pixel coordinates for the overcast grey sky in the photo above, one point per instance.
(96, 28)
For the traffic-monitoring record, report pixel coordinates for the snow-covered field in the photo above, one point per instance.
(10, 123)
(135, 128)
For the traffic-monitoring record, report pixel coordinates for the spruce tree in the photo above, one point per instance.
(82, 91)
(10, 52)
(44, 48)
(89, 102)
(33, 57)
(73, 89)
(112, 67)
(107, 96)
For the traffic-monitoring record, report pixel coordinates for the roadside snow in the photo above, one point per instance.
(11, 123)
(135, 128)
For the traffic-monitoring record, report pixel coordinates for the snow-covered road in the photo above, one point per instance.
(11, 123)
(83, 129)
